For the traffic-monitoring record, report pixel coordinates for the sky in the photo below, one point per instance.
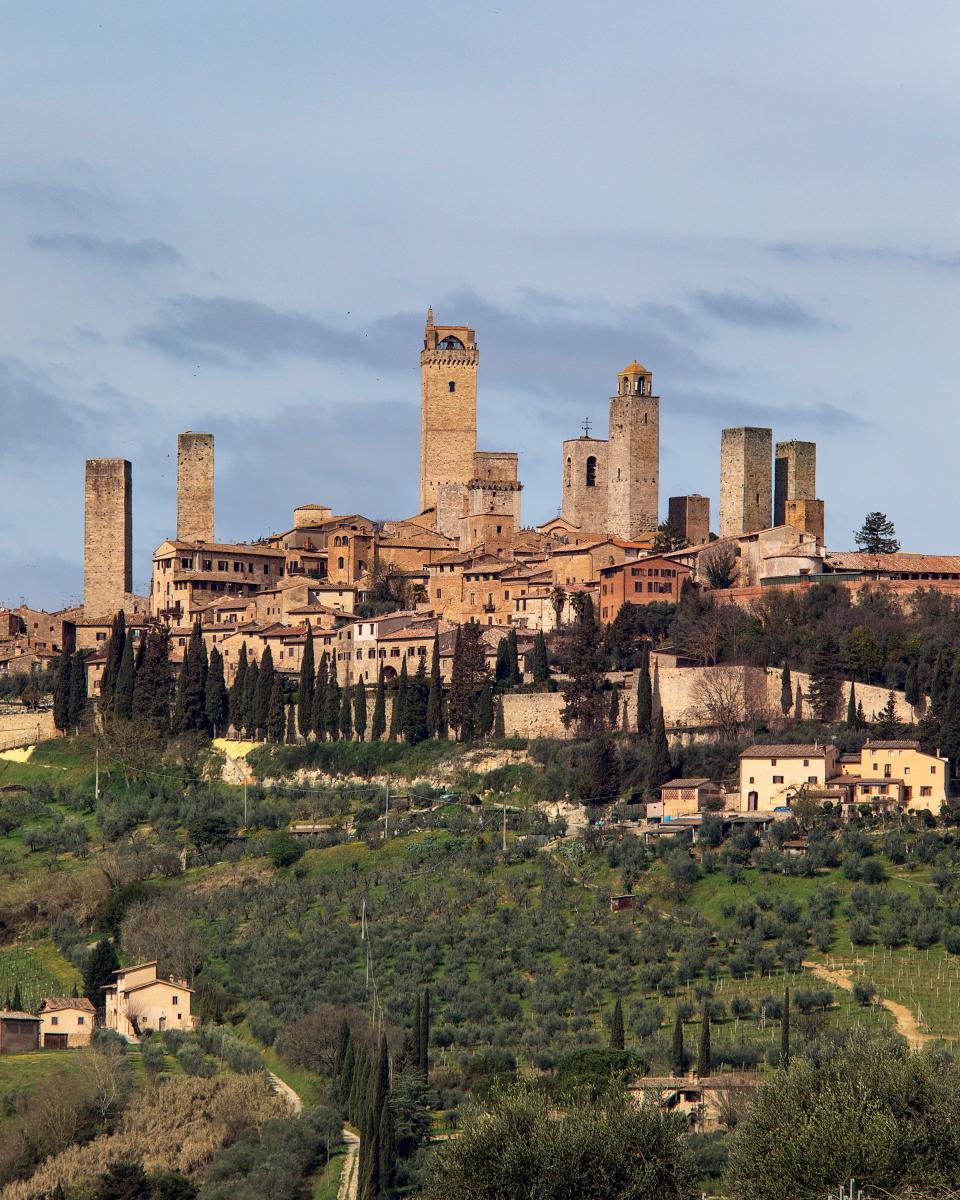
(232, 216)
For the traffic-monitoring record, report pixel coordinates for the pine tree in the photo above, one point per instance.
(540, 664)
(318, 711)
(238, 716)
(616, 1026)
(484, 718)
(123, 688)
(703, 1055)
(305, 690)
(676, 1050)
(877, 535)
(261, 700)
(61, 693)
(251, 687)
(786, 690)
(216, 701)
(644, 696)
(658, 768)
(378, 725)
(785, 1031)
(826, 686)
(78, 690)
(397, 716)
(513, 658)
(415, 703)
(435, 693)
(499, 720)
(276, 724)
(360, 710)
(346, 714)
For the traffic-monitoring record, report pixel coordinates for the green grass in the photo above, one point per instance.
(326, 1181)
(40, 970)
(58, 761)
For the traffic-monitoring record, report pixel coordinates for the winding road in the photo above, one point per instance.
(349, 1175)
(906, 1021)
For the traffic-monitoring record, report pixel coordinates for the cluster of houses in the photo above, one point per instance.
(139, 1000)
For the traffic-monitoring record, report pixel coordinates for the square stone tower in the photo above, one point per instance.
(794, 476)
(195, 487)
(448, 415)
(107, 536)
(633, 455)
(746, 462)
(690, 515)
(584, 489)
(493, 500)
(807, 516)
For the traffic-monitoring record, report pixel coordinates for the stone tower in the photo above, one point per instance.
(195, 487)
(746, 460)
(493, 500)
(448, 419)
(794, 476)
(584, 486)
(633, 455)
(107, 536)
(690, 516)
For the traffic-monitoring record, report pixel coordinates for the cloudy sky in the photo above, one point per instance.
(232, 215)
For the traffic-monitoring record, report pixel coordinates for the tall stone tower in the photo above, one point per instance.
(633, 455)
(107, 536)
(746, 459)
(493, 500)
(794, 476)
(690, 516)
(448, 415)
(584, 489)
(195, 487)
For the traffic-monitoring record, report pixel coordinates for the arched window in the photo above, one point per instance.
(341, 563)
(450, 343)
(567, 478)
(591, 471)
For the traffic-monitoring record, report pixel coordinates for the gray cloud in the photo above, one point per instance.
(65, 199)
(148, 252)
(858, 255)
(36, 419)
(776, 312)
(726, 410)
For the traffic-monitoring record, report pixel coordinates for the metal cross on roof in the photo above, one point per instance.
(586, 426)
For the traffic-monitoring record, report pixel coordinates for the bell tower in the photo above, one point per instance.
(633, 455)
(448, 415)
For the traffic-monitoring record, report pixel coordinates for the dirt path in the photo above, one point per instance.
(287, 1092)
(906, 1021)
(349, 1176)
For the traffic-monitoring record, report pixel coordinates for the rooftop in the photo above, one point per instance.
(775, 750)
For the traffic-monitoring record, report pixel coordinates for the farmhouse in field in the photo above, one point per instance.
(141, 1000)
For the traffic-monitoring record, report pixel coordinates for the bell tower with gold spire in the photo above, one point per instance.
(633, 455)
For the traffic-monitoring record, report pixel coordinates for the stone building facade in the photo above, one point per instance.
(195, 487)
(448, 430)
(584, 488)
(746, 461)
(807, 516)
(493, 500)
(690, 516)
(794, 476)
(107, 536)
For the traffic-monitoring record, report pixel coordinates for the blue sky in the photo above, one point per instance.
(232, 216)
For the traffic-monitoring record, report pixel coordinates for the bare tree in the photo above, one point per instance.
(718, 698)
(162, 929)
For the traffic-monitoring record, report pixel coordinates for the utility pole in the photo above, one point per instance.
(96, 775)
(504, 826)
(244, 804)
(386, 815)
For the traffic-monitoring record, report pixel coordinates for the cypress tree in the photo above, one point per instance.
(499, 722)
(614, 708)
(852, 708)
(305, 689)
(616, 1026)
(343, 1041)
(98, 970)
(501, 670)
(346, 715)
(61, 693)
(318, 712)
(786, 690)
(644, 696)
(826, 687)
(703, 1057)
(331, 717)
(540, 664)
(151, 682)
(676, 1050)
(513, 658)
(911, 686)
(939, 683)
(415, 704)
(261, 700)
(416, 1033)
(424, 1049)
(435, 694)
(123, 688)
(397, 716)
(658, 768)
(111, 668)
(276, 724)
(216, 700)
(798, 704)
(77, 704)
(378, 726)
(251, 687)
(238, 716)
(190, 715)
(360, 710)
(17, 1000)
(291, 734)
(785, 1031)
(386, 1164)
(484, 718)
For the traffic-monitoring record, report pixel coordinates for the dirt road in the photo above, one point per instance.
(349, 1176)
(287, 1092)
(906, 1021)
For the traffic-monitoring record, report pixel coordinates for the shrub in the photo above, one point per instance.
(283, 848)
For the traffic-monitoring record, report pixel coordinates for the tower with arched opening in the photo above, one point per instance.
(633, 455)
(448, 420)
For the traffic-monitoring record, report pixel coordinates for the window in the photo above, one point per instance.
(54, 1020)
(811, 779)
(751, 779)
(591, 471)
(806, 762)
(566, 477)
(185, 563)
(340, 563)
(773, 762)
(926, 791)
(778, 779)
(101, 637)
(451, 386)
(81, 1020)
(222, 564)
(933, 770)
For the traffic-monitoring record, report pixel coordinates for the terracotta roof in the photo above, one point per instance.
(635, 366)
(938, 564)
(785, 751)
(685, 783)
(14, 1014)
(226, 547)
(60, 1003)
(893, 744)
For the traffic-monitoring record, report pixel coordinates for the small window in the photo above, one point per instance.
(811, 779)
(451, 386)
(778, 779)
(54, 1020)
(591, 471)
(926, 791)
(81, 1020)
(174, 999)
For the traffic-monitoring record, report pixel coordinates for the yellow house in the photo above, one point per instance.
(897, 772)
(66, 1021)
(141, 1000)
(770, 776)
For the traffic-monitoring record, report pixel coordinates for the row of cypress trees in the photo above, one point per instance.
(704, 1053)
